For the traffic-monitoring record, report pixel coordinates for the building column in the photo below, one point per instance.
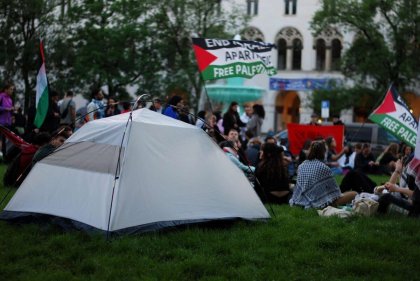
(328, 58)
(269, 103)
(289, 57)
(305, 110)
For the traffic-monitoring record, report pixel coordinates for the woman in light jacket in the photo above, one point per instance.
(255, 123)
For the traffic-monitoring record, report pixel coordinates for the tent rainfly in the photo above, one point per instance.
(135, 174)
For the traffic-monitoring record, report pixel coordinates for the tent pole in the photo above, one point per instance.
(117, 173)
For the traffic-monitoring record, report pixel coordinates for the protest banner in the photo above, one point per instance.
(219, 59)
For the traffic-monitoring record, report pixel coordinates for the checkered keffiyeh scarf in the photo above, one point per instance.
(413, 169)
(315, 186)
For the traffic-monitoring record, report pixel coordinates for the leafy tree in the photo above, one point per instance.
(22, 24)
(344, 98)
(144, 44)
(175, 22)
(110, 45)
(138, 43)
(386, 47)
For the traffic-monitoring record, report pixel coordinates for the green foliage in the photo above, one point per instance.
(110, 45)
(338, 99)
(363, 99)
(22, 25)
(174, 23)
(144, 44)
(385, 49)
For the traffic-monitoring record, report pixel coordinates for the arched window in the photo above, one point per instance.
(281, 47)
(290, 44)
(297, 54)
(328, 53)
(336, 54)
(252, 34)
(320, 54)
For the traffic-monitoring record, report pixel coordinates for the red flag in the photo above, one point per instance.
(298, 134)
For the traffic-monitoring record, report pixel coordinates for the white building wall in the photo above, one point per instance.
(270, 20)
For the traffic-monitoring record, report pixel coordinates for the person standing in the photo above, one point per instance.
(112, 107)
(185, 116)
(336, 120)
(68, 110)
(96, 108)
(126, 107)
(19, 122)
(314, 120)
(231, 118)
(6, 105)
(247, 113)
(245, 117)
(175, 105)
(157, 105)
(6, 111)
(52, 120)
(212, 129)
(201, 117)
(255, 123)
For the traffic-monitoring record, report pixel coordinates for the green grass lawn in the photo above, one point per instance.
(294, 245)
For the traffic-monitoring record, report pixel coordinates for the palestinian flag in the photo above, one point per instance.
(218, 59)
(394, 116)
(42, 96)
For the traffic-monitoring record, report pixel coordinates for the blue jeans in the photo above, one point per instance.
(336, 171)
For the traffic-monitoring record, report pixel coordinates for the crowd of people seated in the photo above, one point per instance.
(311, 182)
(306, 180)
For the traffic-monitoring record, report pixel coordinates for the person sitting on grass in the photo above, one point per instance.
(388, 158)
(231, 151)
(401, 195)
(273, 179)
(365, 161)
(333, 156)
(315, 184)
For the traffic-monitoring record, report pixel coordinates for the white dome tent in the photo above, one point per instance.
(147, 172)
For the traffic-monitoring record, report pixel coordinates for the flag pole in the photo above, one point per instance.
(207, 94)
(203, 82)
